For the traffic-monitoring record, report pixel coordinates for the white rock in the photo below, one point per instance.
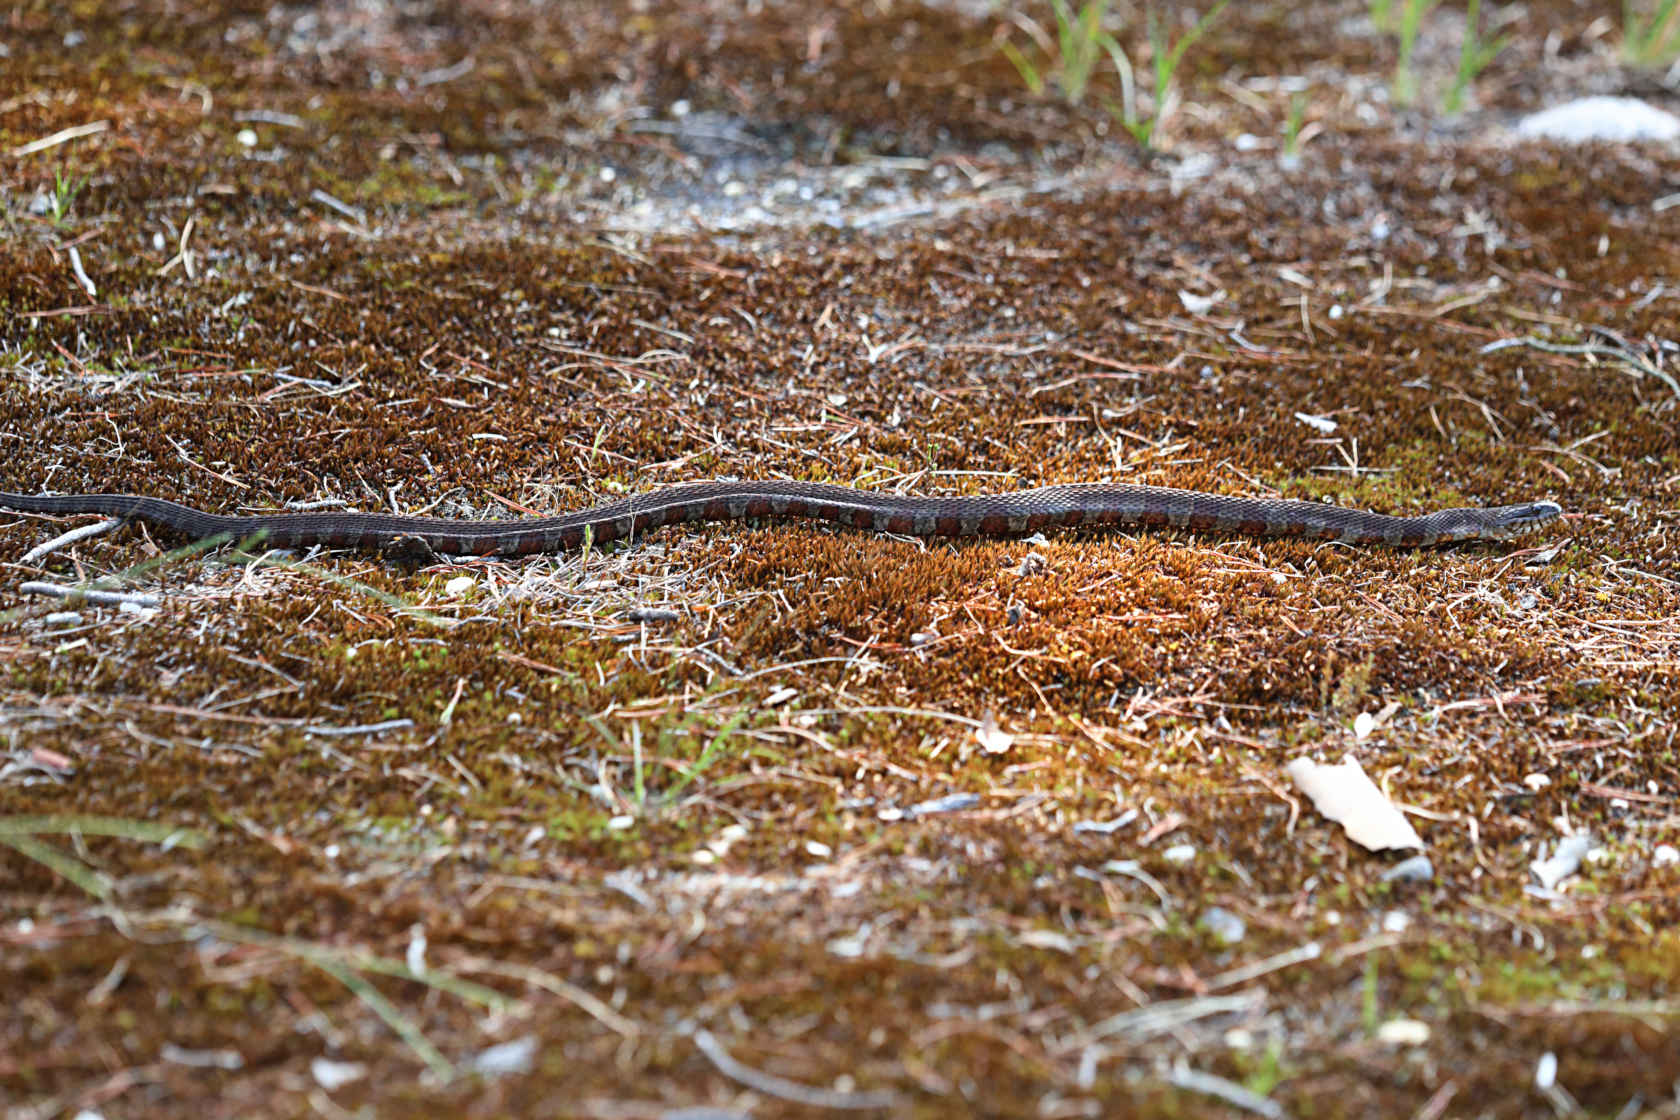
(516, 1056)
(1620, 119)
(1403, 1032)
(1179, 853)
(331, 1075)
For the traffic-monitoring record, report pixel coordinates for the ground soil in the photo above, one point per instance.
(636, 830)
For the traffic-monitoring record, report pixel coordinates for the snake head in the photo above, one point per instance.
(1514, 519)
(1468, 524)
(1498, 521)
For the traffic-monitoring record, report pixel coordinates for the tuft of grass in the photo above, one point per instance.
(1474, 54)
(1080, 36)
(1267, 1071)
(1410, 23)
(1166, 57)
(1653, 40)
(1292, 126)
(1074, 53)
(65, 190)
(669, 738)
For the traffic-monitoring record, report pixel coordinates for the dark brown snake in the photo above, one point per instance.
(1086, 505)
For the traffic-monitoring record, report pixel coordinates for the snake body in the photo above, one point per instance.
(1083, 505)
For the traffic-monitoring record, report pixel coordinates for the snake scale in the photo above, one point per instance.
(1081, 505)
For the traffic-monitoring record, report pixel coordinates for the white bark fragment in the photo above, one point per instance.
(1345, 794)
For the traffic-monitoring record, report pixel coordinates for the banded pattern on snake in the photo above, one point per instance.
(1080, 505)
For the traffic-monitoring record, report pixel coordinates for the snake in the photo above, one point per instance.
(1016, 513)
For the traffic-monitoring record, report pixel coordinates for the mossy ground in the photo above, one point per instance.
(470, 257)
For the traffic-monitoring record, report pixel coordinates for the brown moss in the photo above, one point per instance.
(700, 821)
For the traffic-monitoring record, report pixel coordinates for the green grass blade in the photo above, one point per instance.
(402, 1025)
(147, 831)
(1029, 73)
(93, 882)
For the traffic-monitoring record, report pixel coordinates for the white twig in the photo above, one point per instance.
(361, 728)
(89, 594)
(1596, 349)
(60, 137)
(1169, 1015)
(344, 208)
(773, 1086)
(81, 273)
(1311, 951)
(1230, 1092)
(183, 255)
(80, 533)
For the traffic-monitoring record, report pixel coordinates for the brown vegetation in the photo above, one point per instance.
(650, 807)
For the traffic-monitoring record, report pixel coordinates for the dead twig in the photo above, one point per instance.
(64, 540)
(773, 1086)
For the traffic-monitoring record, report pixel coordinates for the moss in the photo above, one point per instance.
(1166, 673)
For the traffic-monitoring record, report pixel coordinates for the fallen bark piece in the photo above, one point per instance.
(1344, 793)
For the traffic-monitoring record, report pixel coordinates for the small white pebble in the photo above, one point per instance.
(1226, 927)
(331, 1075)
(1665, 854)
(459, 586)
(1536, 781)
(503, 1058)
(1179, 853)
(416, 956)
(620, 823)
(1363, 724)
(247, 137)
(1396, 921)
(704, 857)
(819, 849)
(1545, 1071)
(608, 174)
(1403, 1032)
